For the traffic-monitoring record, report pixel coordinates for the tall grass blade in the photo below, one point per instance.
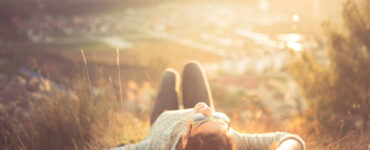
(87, 72)
(119, 81)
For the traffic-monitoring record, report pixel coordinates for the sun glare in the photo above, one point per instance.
(295, 17)
(294, 46)
(265, 61)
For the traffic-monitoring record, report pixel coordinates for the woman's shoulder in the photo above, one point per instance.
(171, 118)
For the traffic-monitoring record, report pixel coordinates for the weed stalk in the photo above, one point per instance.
(87, 72)
(119, 81)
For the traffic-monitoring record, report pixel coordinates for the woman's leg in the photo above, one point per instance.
(167, 94)
(195, 86)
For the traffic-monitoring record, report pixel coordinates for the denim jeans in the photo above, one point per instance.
(195, 89)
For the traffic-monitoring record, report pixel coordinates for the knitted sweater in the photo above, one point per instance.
(169, 126)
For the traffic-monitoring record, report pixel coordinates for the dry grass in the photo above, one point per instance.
(85, 124)
(97, 122)
(67, 123)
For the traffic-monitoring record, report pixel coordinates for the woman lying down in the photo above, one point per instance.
(198, 126)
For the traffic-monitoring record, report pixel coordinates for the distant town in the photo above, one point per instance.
(253, 60)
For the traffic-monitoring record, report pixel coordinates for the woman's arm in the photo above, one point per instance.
(281, 140)
(143, 145)
(290, 144)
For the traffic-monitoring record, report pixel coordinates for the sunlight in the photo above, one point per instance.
(264, 5)
(295, 17)
(295, 46)
(271, 65)
(116, 42)
(290, 37)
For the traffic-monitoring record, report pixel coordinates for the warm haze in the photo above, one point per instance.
(84, 74)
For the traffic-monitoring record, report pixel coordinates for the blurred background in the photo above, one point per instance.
(83, 74)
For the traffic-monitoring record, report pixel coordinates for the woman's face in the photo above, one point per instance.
(209, 126)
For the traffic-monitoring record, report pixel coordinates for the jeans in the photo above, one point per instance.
(195, 89)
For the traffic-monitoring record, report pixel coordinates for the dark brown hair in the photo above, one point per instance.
(210, 141)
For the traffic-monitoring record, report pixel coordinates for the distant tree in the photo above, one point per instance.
(339, 93)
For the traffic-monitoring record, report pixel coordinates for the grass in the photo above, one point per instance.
(86, 124)
(63, 122)
(98, 123)
(73, 123)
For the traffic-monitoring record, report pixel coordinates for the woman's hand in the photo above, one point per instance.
(199, 108)
(202, 108)
(290, 144)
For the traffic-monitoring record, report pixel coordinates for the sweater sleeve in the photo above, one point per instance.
(143, 145)
(263, 141)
